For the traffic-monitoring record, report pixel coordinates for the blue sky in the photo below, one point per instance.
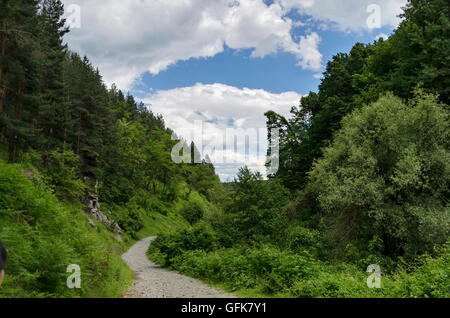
(275, 73)
(222, 62)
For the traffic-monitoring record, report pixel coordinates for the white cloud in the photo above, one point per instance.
(312, 58)
(318, 76)
(348, 15)
(128, 37)
(220, 107)
(383, 36)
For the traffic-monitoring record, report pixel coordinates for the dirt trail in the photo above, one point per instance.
(153, 281)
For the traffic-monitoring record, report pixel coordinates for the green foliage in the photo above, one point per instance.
(387, 175)
(44, 236)
(156, 223)
(130, 218)
(192, 211)
(300, 238)
(202, 178)
(255, 212)
(18, 70)
(267, 272)
(156, 205)
(428, 279)
(417, 52)
(264, 267)
(59, 170)
(144, 159)
(62, 174)
(312, 124)
(200, 237)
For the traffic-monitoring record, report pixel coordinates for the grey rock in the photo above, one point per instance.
(92, 223)
(93, 209)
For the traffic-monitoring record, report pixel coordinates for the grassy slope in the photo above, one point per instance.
(44, 235)
(155, 223)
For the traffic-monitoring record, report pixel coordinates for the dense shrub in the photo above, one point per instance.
(169, 246)
(270, 272)
(43, 237)
(60, 170)
(344, 281)
(129, 218)
(300, 238)
(267, 268)
(192, 211)
(387, 175)
(430, 278)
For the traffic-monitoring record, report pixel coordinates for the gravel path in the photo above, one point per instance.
(153, 281)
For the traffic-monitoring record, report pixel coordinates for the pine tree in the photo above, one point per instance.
(52, 114)
(19, 49)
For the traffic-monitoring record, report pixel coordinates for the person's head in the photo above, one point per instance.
(3, 258)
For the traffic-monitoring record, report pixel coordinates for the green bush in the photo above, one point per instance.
(157, 206)
(264, 270)
(387, 175)
(300, 238)
(267, 268)
(429, 279)
(228, 266)
(44, 236)
(129, 218)
(169, 246)
(61, 170)
(332, 282)
(192, 211)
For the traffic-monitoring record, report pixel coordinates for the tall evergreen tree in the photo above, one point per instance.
(52, 114)
(19, 85)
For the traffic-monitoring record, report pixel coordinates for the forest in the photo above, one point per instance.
(363, 180)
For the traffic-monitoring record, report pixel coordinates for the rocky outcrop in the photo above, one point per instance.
(93, 209)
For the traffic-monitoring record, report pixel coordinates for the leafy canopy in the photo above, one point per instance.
(387, 175)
